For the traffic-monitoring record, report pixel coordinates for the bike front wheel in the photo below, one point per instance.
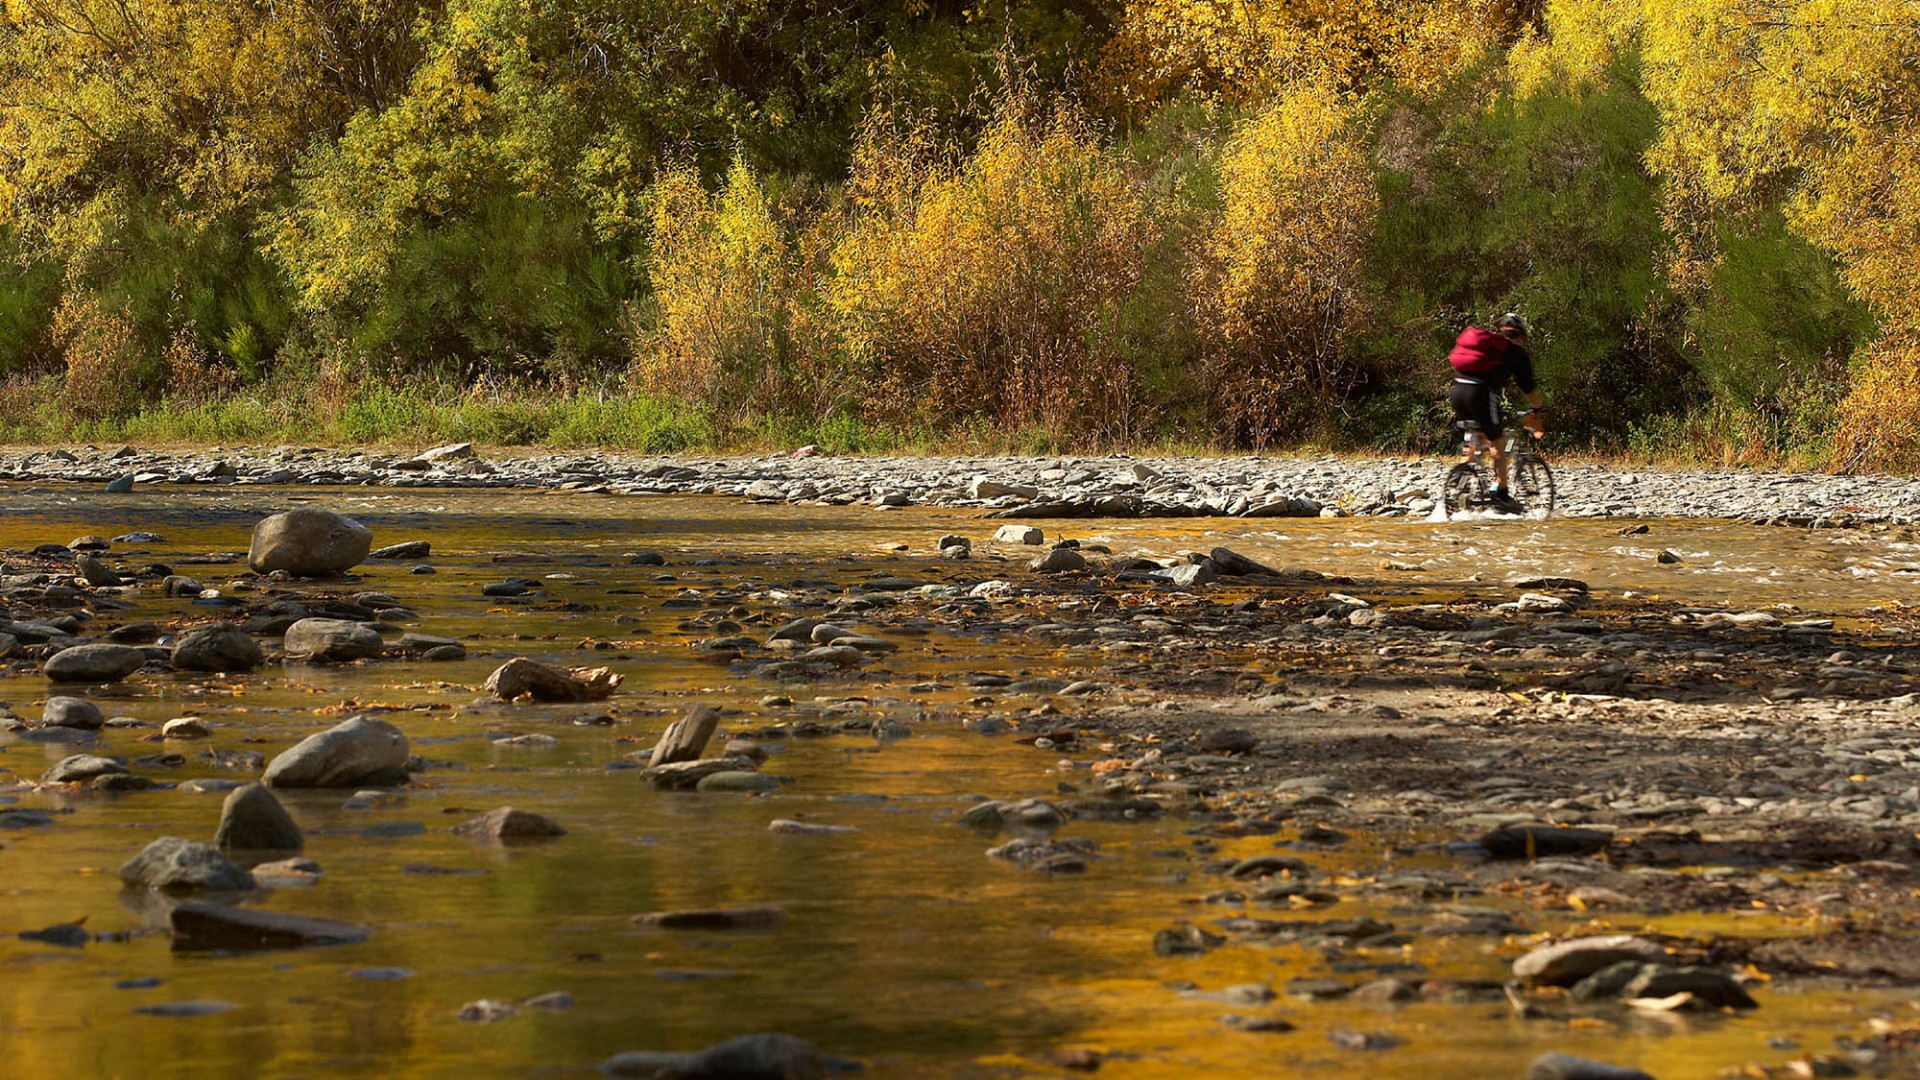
(1465, 489)
(1533, 483)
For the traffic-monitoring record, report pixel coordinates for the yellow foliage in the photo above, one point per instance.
(720, 283)
(1247, 50)
(200, 104)
(1816, 101)
(1279, 281)
(1582, 38)
(1880, 424)
(993, 287)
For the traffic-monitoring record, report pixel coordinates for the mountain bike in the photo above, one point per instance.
(1469, 484)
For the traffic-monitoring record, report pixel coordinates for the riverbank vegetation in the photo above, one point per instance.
(882, 224)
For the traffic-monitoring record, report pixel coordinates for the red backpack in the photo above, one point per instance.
(1478, 352)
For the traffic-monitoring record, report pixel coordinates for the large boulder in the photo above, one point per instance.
(332, 641)
(175, 865)
(253, 820)
(220, 647)
(309, 542)
(97, 663)
(357, 750)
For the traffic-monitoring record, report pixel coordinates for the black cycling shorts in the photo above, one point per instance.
(1475, 401)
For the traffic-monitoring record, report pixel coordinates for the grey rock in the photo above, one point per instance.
(1568, 1067)
(252, 819)
(97, 663)
(1564, 963)
(1234, 564)
(411, 549)
(220, 647)
(96, 573)
(309, 542)
(1059, 561)
(83, 767)
(1544, 841)
(766, 1056)
(508, 825)
(332, 641)
(735, 780)
(200, 926)
(354, 751)
(65, 711)
(1190, 575)
(120, 485)
(1019, 534)
(171, 864)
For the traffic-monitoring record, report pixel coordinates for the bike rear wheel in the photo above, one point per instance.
(1465, 489)
(1533, 483)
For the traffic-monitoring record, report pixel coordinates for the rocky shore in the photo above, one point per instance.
(1037, 487)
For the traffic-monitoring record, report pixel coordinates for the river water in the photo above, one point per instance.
(907, 948)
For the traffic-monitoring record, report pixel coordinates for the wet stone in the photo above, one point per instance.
(507, 824)
(358, 750)
(1568, 1067)
(738, 918)
(98, 663)
(252, 819)
(171, 864)
(81, 768)
(199, 926)
(72, 712)
(1564, 963)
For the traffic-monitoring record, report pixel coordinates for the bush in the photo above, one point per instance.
(722, 296)
(1279, 282)
(994, 287)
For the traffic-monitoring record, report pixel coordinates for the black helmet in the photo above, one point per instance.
(1512, 320)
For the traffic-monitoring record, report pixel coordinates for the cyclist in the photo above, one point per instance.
(1483, 363)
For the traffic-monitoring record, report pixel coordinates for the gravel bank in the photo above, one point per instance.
(1113, 486)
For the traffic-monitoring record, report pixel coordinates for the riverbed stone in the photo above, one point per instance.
(220, 647)
(508, 824)
(96, 573)
(1568, 1067)
(1060, 560)
(1019, 534)
(171, 864)
(523, 677)
(201, 926)
(309, 542)
(63, 710)
(252, 819)
(761, 917)
(765, 1056)
(360, 749)
(331, 641)
(1534, 841)
(185, 727)
(738, 781)
(96, 663)
(1630, 980)
(81, 768)
(1563, 963)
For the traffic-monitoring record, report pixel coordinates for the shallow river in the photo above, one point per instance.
(907, 948)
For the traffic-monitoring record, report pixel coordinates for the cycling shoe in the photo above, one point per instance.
(1502, 503)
